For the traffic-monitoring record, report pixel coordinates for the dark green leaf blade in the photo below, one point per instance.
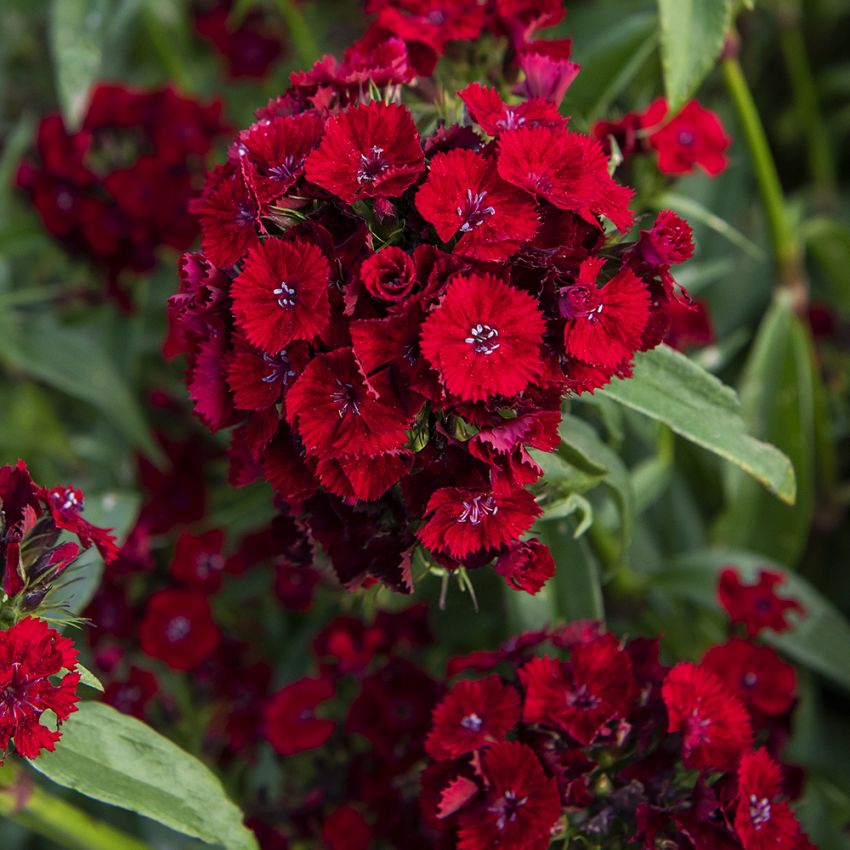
(672, 389)
(119, 760)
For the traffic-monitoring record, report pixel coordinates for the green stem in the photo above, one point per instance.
(299, 31)
(787, 250)
(809, 116)
(40, 812)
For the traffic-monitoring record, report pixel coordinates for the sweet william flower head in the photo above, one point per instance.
(178, 628)
(368, 151)
(756, 606)
(290, 722)
(30, 654)
(484, 338)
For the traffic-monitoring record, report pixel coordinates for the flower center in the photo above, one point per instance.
(472, 722)
(473, 212)
(372, 165)
(582, 699)
(749, 679)
(759, 811)
(686, 137)
(483, 339)
(208, 563)
(506, 808)
(279, 368)
(286, 295)
(511, 120)
(244, 215)
(345, 399)
(178, 629)
(286, 169)
(69, 500)
(580, 302)
(477, 508)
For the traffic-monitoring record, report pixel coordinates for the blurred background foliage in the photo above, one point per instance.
(77, 372)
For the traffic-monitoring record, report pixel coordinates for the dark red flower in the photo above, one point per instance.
(484, 338)
(472, 715)
(495, 117)
(178, 628)
(549, 72)
(756, 606)
(519, 804)
(335, 413)
(229, 219)
(464, 521)
(714, 724)
(582, 695)
(693, 137)
(756, 673)
(198, 561)
(281, 294)
(668, 242)
(257, 379)
(390, 274)
(688, 325)
(66, 506)
(569, 170)
(464, 194)
(763, 820)
(277, 150)
(290, 720)
(133, 694)
(527, 566)
(30, 653)
(604, 326)
(345, 829)
(368, 151)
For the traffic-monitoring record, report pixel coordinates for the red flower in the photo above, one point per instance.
(763, 821)
(582, 695)
(714, 723)
(345, 829)
(472, 715)
(756, 606)
(198, 561)
(604, 325)
(277, 150)
(66, 506)
(484, 339)
(282, 294)
(229, 218)
(756, 673)
(368, 151)
(178, 628)
(567, 169)
(389, 274)
(464, 521)
(336, 414)
(464, 194)
(548, 70)
(527, 566)
(494, 116)
(30, 653)
(520, 803)
(258, 380)
(693, 137)
(669, 241)
(291, 724)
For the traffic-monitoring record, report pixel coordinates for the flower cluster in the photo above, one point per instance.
(32, 519)
(118, 188)
(388, 321)
(594, 740)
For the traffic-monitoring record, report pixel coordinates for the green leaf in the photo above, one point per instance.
(71, 360)
(819, 640)
(118, 760)
(89, 679)
(692, 34)
(777, 403)
(77, 33)
(672, 389)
